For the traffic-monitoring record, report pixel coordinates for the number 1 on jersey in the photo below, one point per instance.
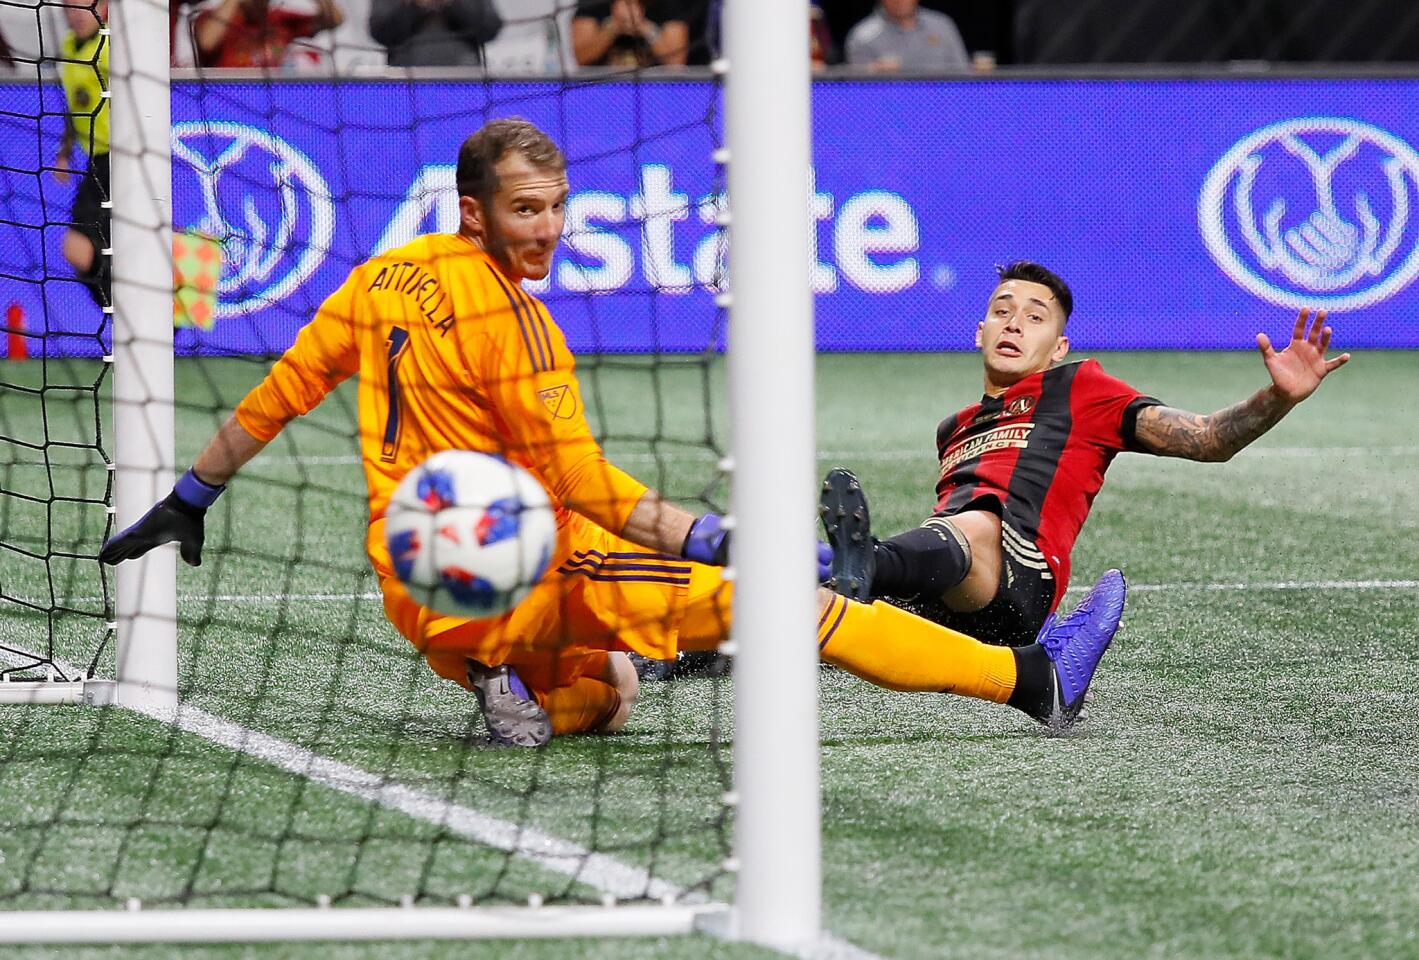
(397, 340)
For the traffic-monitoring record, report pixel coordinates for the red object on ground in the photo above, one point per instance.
(16, 347)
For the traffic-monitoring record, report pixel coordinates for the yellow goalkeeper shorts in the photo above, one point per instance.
(600, 593)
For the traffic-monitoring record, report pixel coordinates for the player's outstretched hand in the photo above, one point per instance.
(178, 516)
(708, 542)
(1297, 371)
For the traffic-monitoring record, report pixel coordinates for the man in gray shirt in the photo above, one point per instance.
(898, 35)
(434, 33)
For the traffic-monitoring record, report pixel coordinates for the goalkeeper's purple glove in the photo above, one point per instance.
(178, 516)
(708, 542)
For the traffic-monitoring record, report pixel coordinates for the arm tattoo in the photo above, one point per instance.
(1215, 437)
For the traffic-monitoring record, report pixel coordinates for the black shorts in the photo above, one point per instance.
(1022, 600)
(88, 215)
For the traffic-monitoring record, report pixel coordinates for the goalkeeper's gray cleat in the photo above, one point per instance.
(513, 715)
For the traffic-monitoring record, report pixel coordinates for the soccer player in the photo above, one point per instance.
(452, 353)
(83, 72)
(1020, 469)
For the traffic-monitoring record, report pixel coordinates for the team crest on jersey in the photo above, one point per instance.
(559, 401)
(1019, 406)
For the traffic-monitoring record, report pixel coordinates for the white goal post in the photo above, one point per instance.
(143, 415)
(771, 367)
(771, 363)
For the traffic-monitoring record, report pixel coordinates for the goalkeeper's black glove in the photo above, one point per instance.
(178, 516)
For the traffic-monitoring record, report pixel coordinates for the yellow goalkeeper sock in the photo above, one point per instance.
(897, 650)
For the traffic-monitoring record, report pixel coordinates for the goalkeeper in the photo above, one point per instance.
(1020, 469)
(453, 354)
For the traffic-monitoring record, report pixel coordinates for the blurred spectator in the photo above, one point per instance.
(627, 33)
(822, 51)
(535, 38)
(898, 35)
(181, 51)
(434, 33)
(6, 57)
(249, 33)
(31, 34)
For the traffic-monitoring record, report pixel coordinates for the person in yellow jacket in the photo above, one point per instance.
(83, 72)
(452, 353)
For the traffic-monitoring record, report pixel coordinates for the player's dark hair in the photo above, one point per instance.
(478, 157)
(1032, 272)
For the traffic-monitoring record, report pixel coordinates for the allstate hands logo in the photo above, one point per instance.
(1318, 211)
(262, 198)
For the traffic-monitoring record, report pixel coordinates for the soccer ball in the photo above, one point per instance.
(470, 534)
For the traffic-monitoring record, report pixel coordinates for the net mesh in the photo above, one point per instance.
(317, 758)
(54, 481)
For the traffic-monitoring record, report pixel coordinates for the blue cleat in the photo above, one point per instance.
(1075, 643)
(512, 713)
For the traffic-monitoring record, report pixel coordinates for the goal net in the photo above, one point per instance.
(314, 759)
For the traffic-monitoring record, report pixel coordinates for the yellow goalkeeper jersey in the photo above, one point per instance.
(83, 71)
(452, 354)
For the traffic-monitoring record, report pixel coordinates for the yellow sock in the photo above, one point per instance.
(579, 707)
(894, 649)
(587, 704)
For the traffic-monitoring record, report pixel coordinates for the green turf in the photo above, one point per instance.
(1244, 785)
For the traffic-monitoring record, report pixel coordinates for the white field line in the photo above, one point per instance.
(596, 870)
(1275, 585)
(602, 873)
(925, 452)
(1221, 587)
(1225, 587)
(829, 947)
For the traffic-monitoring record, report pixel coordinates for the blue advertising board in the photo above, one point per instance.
(1185, 213)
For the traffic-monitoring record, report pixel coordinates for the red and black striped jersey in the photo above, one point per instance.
(1040, 450)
